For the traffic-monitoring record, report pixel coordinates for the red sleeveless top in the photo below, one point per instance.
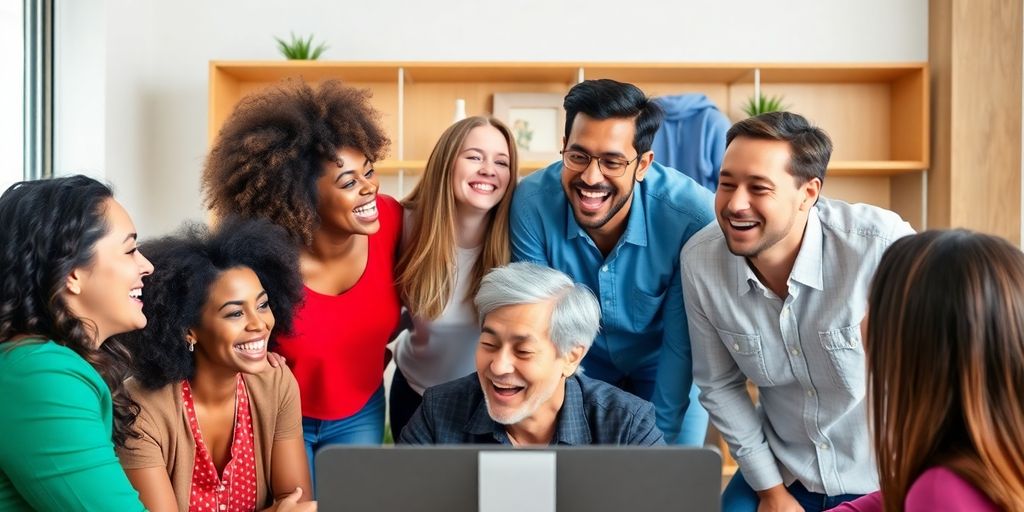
(336, 349)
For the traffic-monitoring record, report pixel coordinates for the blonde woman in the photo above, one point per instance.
(455, 230)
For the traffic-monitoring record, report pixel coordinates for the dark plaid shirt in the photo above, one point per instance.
(593, 413)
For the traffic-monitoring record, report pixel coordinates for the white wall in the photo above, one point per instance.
(79, 93)
(154, 67)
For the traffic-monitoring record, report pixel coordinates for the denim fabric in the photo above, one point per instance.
(641, 383)
(363, 427)
(740, 497)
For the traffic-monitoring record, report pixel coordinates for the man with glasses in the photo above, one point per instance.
(613, 219)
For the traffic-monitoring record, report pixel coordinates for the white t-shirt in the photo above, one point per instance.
(444, 349)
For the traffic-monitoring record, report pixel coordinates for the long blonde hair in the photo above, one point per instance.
(426, 269)
(945, 359)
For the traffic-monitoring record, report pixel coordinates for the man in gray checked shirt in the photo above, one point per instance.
(775, 292)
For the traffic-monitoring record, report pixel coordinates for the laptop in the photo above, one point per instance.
(446, 478)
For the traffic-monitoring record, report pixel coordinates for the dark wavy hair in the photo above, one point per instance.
(186, 265)
(270, 152)
(49, 228)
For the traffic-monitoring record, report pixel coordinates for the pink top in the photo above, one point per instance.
(235, 490)
(936, 490)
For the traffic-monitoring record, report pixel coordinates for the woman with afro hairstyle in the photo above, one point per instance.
(455, 230)
(218, 424)
(944, 343)
(303, 158)
(70, 279)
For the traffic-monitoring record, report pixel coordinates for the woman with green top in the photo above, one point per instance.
(71, 277)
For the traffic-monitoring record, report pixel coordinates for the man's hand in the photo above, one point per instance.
(276, 360)
(777, 499)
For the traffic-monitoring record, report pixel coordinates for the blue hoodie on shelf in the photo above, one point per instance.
(692, 137)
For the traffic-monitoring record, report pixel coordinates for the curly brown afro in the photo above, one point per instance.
(271, 151)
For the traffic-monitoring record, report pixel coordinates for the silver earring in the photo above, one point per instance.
(191, 345)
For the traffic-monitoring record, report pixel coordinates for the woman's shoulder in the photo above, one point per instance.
(38, 361)
(940, 488)
(161, 405)
(160, 396)
(391, 216)
(271, 382)
(389, 206)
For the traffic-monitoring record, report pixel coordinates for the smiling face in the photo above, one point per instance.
(481, 174)
(761, 209)
(234, 324)
(520, 371)
(347, 194)
(600, 202)
(108, 291)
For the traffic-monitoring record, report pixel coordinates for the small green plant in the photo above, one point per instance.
(299, 48)
(763, 105)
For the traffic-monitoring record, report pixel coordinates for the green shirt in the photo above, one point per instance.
(56, 420)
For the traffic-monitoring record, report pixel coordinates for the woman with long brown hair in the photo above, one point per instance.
(456, 229)
(945, 360)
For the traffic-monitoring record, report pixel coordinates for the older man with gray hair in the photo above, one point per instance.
(536, 325)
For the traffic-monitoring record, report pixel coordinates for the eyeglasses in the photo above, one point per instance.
(578, 161)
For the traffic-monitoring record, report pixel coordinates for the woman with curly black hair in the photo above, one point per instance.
(303, 158)
(70, 278)
(219, 425)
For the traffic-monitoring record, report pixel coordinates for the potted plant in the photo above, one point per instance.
(299, 48)
(763, 105)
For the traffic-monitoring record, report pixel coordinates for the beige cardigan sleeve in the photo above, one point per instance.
(289, 411)
(146, 450)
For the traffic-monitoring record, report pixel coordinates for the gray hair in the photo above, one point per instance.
(576, 316)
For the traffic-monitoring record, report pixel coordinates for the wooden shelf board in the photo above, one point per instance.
(267, 71)
(874, 167)
(842, 73)
(670, 73)
(391, 167)
(836, 168)
(490, 72)
(272, 71)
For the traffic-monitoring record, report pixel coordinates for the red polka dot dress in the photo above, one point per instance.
(235, 491)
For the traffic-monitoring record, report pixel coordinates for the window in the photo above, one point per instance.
(12, 98)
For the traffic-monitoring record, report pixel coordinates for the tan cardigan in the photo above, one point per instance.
(167, 440)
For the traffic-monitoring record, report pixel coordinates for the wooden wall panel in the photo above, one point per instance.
(975, 51)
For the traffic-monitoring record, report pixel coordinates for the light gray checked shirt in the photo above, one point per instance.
(803, 352)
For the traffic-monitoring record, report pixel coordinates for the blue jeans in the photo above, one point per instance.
(364, 427)
(740, 497)
(641, 383)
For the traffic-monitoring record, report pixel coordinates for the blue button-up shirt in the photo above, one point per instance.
(803, 351)
(593, 412)
(643, 321)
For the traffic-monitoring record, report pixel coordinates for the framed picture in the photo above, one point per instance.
(537, 121)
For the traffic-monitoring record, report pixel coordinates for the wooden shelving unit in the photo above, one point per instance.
(877, 114)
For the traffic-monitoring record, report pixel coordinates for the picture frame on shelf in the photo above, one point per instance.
(537, 121)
